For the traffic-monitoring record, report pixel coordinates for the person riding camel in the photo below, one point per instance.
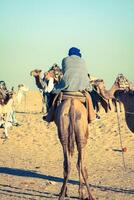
(49, 78)
(75, 77)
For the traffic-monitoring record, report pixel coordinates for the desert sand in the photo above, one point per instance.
(31, 160)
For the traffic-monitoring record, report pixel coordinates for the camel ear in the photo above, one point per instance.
(20, 85)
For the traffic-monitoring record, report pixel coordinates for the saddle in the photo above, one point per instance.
(84, 97)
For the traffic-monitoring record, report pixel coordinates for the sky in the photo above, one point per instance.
(39, 33)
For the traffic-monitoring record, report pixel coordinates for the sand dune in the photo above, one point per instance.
(31, 159)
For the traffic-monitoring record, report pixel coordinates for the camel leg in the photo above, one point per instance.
(25, 102)
(120, 106)
(84, 173)
(97, 107)
(67, 167)
(81, 196)
(43, 105)
(115, 104)
(7, 124)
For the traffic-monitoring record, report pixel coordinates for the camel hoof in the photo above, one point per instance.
(61, 198)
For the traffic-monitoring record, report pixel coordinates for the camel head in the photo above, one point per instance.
(122, 82)
(3, 85)
(35, 72)
(22, 87)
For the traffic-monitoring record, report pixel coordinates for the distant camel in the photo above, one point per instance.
(109, 94)
(72, 124)
(127, 98)
(21, 93)
(120, 83)
(97, 97)
(121, 91)
(7, 114)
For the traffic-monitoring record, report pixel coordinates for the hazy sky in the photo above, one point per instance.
(38, 33)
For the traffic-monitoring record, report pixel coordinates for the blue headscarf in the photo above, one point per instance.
(74, 51)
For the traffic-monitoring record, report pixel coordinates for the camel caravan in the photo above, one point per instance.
(72, 101)
(121, 92)
(72, 112)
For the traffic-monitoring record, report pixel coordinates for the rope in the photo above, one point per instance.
(120, 138)
(100, 94)
(132, 113)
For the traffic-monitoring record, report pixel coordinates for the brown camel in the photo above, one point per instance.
(127, 98)
(72, 124)
(97, 97)
(36, 74)
(120, 83)
(122, 92)
(71, 119)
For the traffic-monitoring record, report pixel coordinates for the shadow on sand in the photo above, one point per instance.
(35, 174)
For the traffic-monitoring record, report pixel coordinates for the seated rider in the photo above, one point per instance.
(75, 76)
(74, 72)
(49, 78)
(52, 78)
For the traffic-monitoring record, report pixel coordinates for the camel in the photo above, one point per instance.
(41, 83)
(71, 119)
(97, 97)
(21, 93)
(7, 115)
(121, 82)
(121, 90)
(127, 98)
(37, 75)
(72, 124)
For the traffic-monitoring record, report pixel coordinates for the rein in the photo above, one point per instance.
(120, 138)
(100, 95)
